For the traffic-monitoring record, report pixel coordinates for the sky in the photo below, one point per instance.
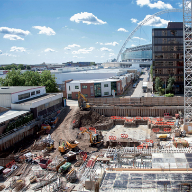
(58, 31)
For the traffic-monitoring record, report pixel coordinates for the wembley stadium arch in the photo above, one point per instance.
(143, 23)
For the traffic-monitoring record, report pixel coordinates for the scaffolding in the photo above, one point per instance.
(187, 46)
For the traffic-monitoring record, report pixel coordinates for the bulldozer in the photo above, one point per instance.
(65, 146)
(83, 103)
(95, 139)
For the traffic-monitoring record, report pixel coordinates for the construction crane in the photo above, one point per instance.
(82, 101)
(95, 139)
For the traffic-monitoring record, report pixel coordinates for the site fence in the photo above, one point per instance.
(143, 101)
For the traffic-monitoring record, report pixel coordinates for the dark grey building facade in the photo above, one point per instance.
(167, 49)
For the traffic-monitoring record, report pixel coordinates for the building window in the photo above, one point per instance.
(76, 95)
(105, 85)
(69, 88)
(92, 91)
(38, 92)
(84, 86)
(76, 87)
(24, 96)
(32, 93)
(69, 96)
(85, 95)
(106, 93)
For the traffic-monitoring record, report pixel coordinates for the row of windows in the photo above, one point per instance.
(169, 48)
(27, 95)
(169, 63)
(168, 32)
(85, 86)
(168, 40)
(168, 56)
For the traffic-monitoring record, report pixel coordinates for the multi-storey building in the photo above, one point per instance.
(168, 54)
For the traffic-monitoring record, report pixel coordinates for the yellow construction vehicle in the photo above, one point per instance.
(82, 101)
(164, 136)
(67, 146)
(95, 139)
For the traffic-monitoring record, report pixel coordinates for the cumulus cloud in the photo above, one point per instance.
(155, 22)
(111, 54)
(180, 4)
(1, 52)
(12, 37)
(83, 51)
(112, 43)
(140, 38)
(157, 5)
(13, 31)
(45, 30)
(122, 29)
(87, 18)
(105, 49)
(18, 49)
(134, 20)
(133, 45)
(71, 46)
(49, 50)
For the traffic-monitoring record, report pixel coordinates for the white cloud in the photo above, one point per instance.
(134, 20)
(7, 30)
(133, 45)
(102, 56)
(78, 57)
(83, 51)
(155, 22)
(158, 4)
(71, 46)
(140, 38)
(1, 52)
(111, 54)
(49, 50)
(105, 49)
(45, 30)
(12, 37)
(18, 49)
(87, 18)
(122, 29)
(112, 43)
(180, 4)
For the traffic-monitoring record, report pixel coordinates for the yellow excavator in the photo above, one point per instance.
(95, 139)
(83, 103)
(67, 146)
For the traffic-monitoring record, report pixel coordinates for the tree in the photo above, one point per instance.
(32, 78)
(48, 80)
(21, 67)
(170, 84)
(158, 84)
(151, 71)
(13, 78)
(28, 67)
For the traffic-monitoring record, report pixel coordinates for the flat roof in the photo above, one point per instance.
(94, 81)
(15, 89)
(36, 99)
(8, 115)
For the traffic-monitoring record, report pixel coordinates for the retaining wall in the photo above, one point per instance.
(133, 111)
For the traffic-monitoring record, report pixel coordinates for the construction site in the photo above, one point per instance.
(105, 144)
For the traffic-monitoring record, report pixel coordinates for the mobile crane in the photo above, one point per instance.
(95, 139)
(82, 101)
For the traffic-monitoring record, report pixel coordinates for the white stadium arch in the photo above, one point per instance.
(142, 23)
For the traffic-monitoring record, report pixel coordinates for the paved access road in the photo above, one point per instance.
(138, 91)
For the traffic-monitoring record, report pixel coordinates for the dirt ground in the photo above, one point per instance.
(66, 132)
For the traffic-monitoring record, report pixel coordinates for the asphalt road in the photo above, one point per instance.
(138, 91)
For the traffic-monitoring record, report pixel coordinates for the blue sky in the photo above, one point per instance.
(57, 31)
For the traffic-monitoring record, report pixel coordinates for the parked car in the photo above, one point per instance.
(134, 85)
